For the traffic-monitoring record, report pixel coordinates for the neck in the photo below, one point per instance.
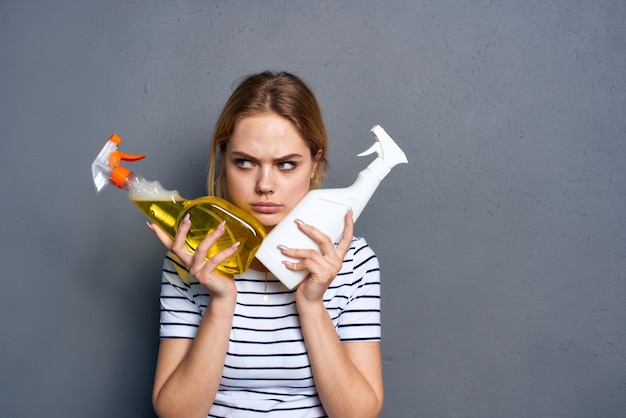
(258, 266)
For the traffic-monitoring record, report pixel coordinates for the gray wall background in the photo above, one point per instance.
(502, 244)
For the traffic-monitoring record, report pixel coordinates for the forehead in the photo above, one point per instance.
(266, 134)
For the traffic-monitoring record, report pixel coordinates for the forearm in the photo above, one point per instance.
(343, 389)
(191, 387)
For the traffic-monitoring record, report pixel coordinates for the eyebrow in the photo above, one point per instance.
(241, 154)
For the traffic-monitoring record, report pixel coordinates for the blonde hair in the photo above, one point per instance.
(281, 93)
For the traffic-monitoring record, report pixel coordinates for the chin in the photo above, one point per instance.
(268, 222)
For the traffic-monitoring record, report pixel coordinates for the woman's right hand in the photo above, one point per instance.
(203, 269)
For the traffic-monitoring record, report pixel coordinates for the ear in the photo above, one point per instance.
(317, 157)
(315, 176)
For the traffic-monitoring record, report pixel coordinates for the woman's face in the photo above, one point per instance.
(268, 167)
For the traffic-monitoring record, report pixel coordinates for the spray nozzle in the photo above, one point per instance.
(389, 153)
(106, 167)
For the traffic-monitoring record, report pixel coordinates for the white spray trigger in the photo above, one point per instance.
(375, 148)
(389, 153)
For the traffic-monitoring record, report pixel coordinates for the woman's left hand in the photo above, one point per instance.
(322, 265)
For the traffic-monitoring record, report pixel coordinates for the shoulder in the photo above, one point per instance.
(360, 259)
(360, 270)
(177, 282)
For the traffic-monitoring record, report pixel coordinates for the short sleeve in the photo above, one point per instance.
(180, 311)
(360, 317)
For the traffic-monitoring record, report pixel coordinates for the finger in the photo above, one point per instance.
(324, 242)
(300, 254)
(168, 243)
(204, 265)
(161, 235)
(178, 246)
(222, 256)
(209, 241)
(200, 259)
(348, 233)
(319, 266)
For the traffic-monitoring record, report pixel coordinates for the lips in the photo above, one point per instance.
(266, 207)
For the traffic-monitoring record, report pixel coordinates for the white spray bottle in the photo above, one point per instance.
(325, 209)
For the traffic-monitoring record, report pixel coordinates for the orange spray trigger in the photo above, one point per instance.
(117, 156)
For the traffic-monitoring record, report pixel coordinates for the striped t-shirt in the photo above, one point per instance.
(267, 371)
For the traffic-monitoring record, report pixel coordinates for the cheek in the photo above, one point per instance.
(297, 188)
(235, 184)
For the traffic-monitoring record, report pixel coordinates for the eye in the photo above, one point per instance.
(287, 165)
(243, 163)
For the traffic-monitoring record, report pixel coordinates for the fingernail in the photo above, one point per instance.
(187, 218)
(300, 222)
(221, 225)
(235, 245)
(149, 225)
(287, 263)
(283, 248)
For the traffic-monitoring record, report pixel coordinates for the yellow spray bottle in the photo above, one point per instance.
(167, 209)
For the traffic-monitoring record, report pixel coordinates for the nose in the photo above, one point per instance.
(265, 183)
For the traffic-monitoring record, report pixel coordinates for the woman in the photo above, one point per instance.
(247, 346)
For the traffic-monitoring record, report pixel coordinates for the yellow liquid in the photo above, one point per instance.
(206, 213)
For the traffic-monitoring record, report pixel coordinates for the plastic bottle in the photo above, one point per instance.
(325, 209)
(167, 209)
